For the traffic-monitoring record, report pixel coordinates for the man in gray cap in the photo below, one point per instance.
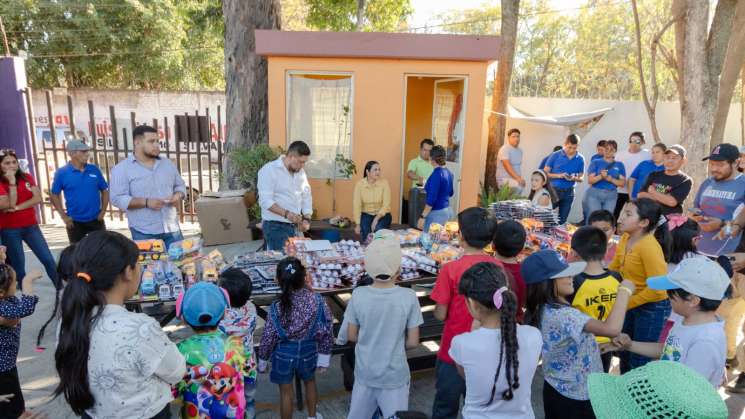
(86, 193)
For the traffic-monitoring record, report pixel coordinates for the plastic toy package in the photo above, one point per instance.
(151, 250)
(184, 248)
(160, 280)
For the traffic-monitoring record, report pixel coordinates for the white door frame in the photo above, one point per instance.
(457, 180)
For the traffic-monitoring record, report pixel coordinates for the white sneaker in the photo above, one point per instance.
(318, 415)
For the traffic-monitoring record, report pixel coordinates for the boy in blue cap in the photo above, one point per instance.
(216, 363)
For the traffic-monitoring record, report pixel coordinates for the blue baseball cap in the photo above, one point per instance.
(548, 264)
(203, 304)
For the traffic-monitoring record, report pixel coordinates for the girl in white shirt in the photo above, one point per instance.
(498, 358)
(112, 363)
(542, 194)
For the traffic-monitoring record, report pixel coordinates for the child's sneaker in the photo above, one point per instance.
(317, 416)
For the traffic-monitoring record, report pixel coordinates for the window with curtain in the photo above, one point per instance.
(319, 112)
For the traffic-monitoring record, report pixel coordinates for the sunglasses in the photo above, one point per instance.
(636, 141)
(7, 152)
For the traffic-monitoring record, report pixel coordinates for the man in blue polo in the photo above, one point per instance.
(565, 168)
(86, 193)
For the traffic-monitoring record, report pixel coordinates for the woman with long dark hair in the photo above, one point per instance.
(18, 221)
(111, 362)
(439, 188)
(371, 201)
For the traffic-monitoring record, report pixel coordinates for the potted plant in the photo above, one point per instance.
(248, 162)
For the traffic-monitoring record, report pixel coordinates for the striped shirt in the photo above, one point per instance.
(130, 179)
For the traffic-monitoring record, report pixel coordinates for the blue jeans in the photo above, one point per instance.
(450, 387)
(643, 324)
(295, 357)
(167, 238)
(366, 224)
(440, 216)
(276, 234)
(13, 239)
(564, 204)
(600, 199)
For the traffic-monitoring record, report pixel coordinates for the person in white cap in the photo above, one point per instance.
(384, 320)
(696, 289)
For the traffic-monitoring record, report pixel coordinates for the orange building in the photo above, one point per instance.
(375, 96)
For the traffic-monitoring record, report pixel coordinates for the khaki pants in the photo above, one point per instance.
(732, 311)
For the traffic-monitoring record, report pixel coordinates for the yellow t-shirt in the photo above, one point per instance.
(374, 199)
(644, 260)
(595, 295)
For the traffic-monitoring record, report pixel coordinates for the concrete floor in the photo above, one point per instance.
(39, 378)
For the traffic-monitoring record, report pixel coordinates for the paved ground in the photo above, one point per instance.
(38, 377)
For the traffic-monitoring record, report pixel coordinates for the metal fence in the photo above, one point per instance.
(198, 159)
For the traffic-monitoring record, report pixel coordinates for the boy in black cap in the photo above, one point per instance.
(671, 186)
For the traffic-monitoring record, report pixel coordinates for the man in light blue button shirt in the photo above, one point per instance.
(149, 189)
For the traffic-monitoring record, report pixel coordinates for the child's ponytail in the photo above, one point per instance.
(65, 273)
(486, 283)
(291, 277)
(99, 261)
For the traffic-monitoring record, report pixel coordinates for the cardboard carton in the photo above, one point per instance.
(223, 218)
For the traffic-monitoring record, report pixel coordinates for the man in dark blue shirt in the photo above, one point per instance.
(542, 165)
(86, 193)
(565, 168)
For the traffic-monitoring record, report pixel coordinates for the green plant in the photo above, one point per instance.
(345, 168)
(489, 195)
(248, 162)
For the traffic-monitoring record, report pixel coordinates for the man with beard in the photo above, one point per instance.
(669, 187)
(284, 196)
(148, 188)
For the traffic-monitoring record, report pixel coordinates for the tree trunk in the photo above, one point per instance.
(360, 15)
(246, 85)
(733, 62)
(497, 123)
(742, 105)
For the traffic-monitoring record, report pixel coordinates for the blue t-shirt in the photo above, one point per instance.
(543, 162)
(569, 353)
(641, 173)
(720, 200)
(615, 169)
(439, 188)
(82, 190)
(597, 156)
(559, 162)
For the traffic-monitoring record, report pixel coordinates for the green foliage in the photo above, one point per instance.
(341, 15)
(165, 44)
(489, 195)
(248, 162)
(345, 168)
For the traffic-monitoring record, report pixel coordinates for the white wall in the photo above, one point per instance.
(537, 140)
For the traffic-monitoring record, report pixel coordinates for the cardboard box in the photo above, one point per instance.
(223, 218)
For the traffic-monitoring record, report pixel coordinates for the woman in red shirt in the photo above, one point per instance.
(18, 222)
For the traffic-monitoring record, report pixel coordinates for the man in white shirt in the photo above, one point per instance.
(509, 162)
(630, 159)
(284, 196)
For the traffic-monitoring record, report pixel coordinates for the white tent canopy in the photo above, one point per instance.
(562, 120)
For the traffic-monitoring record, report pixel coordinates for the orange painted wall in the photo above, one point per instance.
(378, 113)
(419, 101)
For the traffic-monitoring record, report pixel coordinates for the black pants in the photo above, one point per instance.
(557, 406)
(163, 414)
(10, 384)
(78, 230)
(621, 200)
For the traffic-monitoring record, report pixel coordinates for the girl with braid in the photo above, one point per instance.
(499, 358)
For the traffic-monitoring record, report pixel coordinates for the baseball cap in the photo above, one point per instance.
(77, 145)
(659, 389)
(697, 275)
(724, 152)
(742, 149)
(548, 264)
(203, 304)
(383, 255)
(677, 149)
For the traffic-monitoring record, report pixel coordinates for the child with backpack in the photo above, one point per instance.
(499, 358)
(297, 337)
(570, 352)
(384, 320)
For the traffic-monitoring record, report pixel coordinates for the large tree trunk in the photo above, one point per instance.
(246, 86)
(501, 92)
(742, 106)
(733, 62)
(360, 15)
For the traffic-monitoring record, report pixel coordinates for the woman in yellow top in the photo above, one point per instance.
(372, 202)
(640, 256)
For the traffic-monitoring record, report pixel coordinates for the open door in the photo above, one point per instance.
(448, 120)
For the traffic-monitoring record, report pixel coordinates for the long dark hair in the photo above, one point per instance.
(540, 295)
(6, 276)
(291, 277)
(368, 166)
(65, 273)
(20, 176)
(651, 211)
(479, 283)
(438, 154)
(552, 195)
(683, 241)
(99, 261)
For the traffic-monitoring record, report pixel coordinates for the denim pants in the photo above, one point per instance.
(643, 324)
(440, 216)
(276, 234)
(564, 204)
(167, 238)
(295, 357)
(13, 239)
(366, 224)
(450, 387)
(600, 199)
